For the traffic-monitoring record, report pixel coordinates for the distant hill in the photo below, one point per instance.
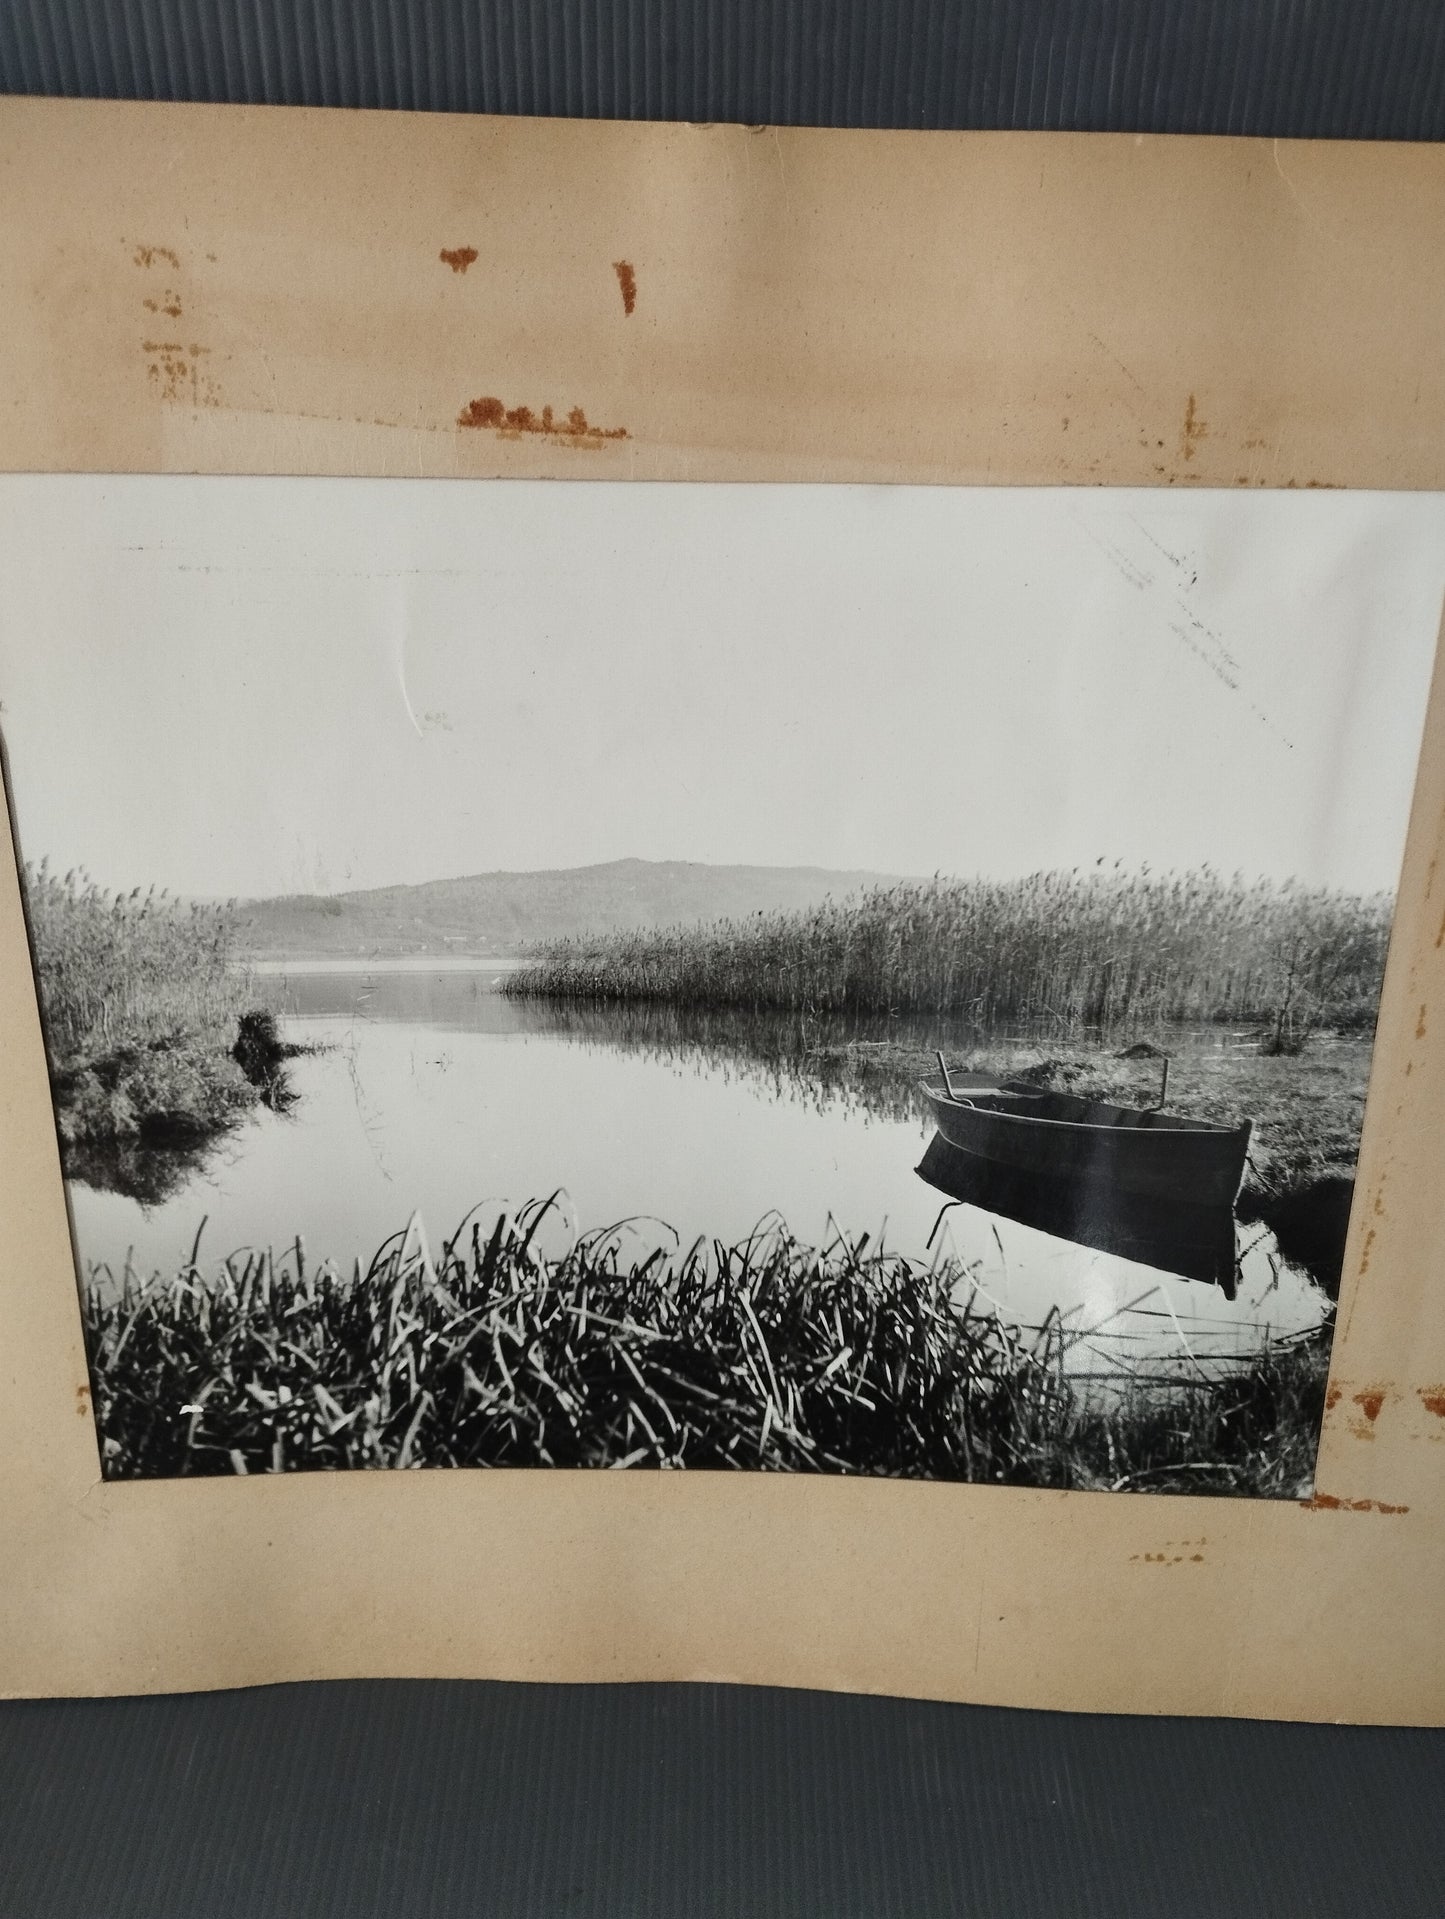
(498, 913)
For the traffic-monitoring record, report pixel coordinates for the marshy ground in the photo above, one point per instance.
(1307, 1111)
(1307, 1108)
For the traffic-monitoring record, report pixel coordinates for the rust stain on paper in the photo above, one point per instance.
(175, 370)
(1193, 430)
(458, 258)
(173, 367)
(1175, 1553)
(1432, 1398)
(1371, 1402)
(1328, 1503)
(627, 280)
(572, 428)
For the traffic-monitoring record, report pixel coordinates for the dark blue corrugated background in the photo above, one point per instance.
(1370, 69)
(430, 1801)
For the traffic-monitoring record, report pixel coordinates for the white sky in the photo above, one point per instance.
(255, 686)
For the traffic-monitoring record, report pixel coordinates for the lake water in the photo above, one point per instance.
(432, 1092)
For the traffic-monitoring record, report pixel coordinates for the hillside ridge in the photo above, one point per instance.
(496, 913)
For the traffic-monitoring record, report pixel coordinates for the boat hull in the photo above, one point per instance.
(1144, 1155)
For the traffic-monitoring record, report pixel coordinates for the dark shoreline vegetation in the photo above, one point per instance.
(155, 1044)
(770, 1355)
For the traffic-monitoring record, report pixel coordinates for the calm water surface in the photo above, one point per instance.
(432, 1092)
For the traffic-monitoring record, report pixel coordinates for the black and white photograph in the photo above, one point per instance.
(824, 979)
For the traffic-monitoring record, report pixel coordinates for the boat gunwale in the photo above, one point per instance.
(1184, 1130)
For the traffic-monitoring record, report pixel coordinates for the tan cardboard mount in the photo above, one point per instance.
(237, 290)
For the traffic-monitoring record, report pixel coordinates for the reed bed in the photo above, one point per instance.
(141, 1000)
(1070, 950)
(129, 966)
(769, 1355)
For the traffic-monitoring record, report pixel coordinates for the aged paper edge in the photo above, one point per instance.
(1001, 309)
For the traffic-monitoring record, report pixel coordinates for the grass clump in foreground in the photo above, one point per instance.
(1100, 950)
(769, 1355)
(142, 1003)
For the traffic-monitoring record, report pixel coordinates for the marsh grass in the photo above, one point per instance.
(1098, 950)
(769, 1355)
(140, 998)
(118, 967)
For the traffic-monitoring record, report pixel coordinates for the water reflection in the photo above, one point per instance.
(1310, 1225)
(140, 1169)
(1196, 1242)
(171, 1152)
(861, 1065)
(433, 1092)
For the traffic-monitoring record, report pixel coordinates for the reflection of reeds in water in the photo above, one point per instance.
(769, 1355)
(1102, 949)
(825, 1064)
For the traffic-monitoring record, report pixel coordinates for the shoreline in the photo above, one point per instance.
(280, 965)
(141, 1115)
(186, 1090)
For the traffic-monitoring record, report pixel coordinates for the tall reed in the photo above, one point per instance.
(1098, 949)
(129, 967)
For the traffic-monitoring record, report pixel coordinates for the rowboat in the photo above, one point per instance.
(1194, 1242)
(1142, 1151)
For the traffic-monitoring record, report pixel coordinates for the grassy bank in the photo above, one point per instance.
(142, 1006)
(769, 1355)
(1099, 950)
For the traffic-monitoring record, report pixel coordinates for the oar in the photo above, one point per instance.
(1158, 1105)
(943, 1068)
